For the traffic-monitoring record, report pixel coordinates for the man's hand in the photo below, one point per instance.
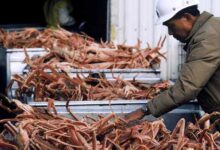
(137, 114)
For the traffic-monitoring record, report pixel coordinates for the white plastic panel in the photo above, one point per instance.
(121, 22)
(146, 24)
(205, 5)
(131, 23)
(215, 8)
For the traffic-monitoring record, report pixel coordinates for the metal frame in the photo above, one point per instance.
(121, 107)
(106, 107)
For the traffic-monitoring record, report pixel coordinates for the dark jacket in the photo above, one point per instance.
(200, 75)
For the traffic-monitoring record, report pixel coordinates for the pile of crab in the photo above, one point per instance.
(49, 75)
(45, 81)
(40, 129)
(81, 51)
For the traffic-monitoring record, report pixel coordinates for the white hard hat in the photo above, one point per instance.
(166, 9)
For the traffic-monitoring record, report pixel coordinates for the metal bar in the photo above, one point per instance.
(22, 50)
(117, 70)
(117, 108)
(83, 103)
(111, 70)
(104, 102)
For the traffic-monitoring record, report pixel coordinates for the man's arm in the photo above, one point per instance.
(203, 61)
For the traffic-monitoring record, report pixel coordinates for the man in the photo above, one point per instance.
(58, 13)
(200, 75)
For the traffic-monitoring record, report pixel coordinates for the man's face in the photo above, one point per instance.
(178, 28)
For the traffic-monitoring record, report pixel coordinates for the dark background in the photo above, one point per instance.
(23, 13)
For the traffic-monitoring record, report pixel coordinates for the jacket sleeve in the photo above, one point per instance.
(202, 62)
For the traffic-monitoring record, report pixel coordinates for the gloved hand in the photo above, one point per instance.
(137, 114)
